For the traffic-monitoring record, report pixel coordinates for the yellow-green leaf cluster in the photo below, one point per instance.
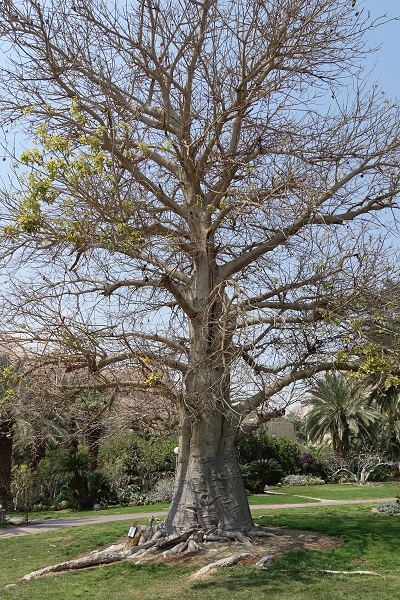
(153, 378)
(76, 111)
(132, 238)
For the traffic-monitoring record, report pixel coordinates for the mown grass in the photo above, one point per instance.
(70, 512)
(277, 499)
(372, 542)
(23, 554)
(344, 491)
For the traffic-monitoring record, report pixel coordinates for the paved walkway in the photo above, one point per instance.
(53, 524)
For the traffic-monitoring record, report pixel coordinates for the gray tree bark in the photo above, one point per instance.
(209, 490)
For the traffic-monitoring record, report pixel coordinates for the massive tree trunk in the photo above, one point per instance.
(6, 444)
(209, 490)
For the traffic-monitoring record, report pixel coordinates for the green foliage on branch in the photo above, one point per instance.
(59, 166)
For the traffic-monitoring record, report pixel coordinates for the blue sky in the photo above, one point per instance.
(387, 69)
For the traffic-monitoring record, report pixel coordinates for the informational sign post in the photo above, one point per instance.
(132, 531)
(133, 536)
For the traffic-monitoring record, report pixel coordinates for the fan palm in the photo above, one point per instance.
(341, 411)
(72, 469)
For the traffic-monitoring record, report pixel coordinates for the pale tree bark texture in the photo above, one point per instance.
(209, 493)
(197, 205)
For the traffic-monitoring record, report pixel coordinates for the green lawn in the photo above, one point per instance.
(344, 491)
(70, 512)
(277, 499)
(372, 542)
(285, 495)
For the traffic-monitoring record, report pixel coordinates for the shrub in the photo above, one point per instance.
(259, 473)
(49, 482)
(307, 461)
(132, 495)
(261, 446)
(343, 477)
(381, 473)
(24, 487)
(130, 457)
(302, 480)
(288, 455)
(390, 508)
(163, 491)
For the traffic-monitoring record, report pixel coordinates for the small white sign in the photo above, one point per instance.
(132, 531)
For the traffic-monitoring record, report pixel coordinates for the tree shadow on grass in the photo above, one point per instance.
(253, 584)
(299, 585)
(372, 542)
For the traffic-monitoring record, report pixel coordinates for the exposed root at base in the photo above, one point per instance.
(195, 547)
(224, 562)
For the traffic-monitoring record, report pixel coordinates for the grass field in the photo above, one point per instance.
(277, 499)
(372, 543)
(344, 491)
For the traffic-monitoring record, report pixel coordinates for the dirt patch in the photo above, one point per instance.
(280, 542)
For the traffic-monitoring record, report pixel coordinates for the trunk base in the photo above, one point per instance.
(209, 491)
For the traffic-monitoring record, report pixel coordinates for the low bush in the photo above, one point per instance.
(302, 480)
(380, 473)
(163, 491)
(390, 508)
(131, 495)
(259, 473)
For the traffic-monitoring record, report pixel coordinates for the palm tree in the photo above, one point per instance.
(342, 410)
(388, 402)
(72, 469)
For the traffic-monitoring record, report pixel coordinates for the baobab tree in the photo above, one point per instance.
(198, 200)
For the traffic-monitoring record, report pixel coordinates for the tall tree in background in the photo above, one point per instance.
(389, 403)
(6, 444)
(197, 216)
(342, 411)
(6, 429)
